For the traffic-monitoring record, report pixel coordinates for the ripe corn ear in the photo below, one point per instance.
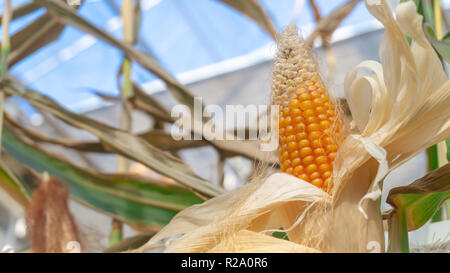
(308, 120)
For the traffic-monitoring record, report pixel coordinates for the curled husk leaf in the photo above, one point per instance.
(398, 111)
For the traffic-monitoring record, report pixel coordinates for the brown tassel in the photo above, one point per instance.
(51, 226)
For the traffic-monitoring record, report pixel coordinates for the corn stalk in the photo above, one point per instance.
(4, 56)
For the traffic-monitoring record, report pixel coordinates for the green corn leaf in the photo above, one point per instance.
(130, 198)
(448, 148)
(432, 158)
(447, 209)
(421, 199)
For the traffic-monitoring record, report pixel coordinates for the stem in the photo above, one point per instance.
(442, 153)
(127, 87)
(437, 154)
(5, 39)
(116, 233)
(437, 217)
(447, 209)
(4, 57)
(438, 18)
(221, 169)
(126, 91)
(398, 233)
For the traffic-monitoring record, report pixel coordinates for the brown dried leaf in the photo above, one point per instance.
(123, 142)
(149, 105)
(435, 181)
(157, 138)
(36, 35)
(327, 25)
(23, 10)
(254, 11)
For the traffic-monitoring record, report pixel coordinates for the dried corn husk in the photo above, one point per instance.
(399, 110)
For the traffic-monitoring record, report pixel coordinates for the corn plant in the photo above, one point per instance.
(328, 170)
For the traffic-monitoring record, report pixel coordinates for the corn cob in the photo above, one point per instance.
(308, 120)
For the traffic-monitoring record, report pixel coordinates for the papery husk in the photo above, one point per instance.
(351, 221)
(245, 241)
(304, 211)
(408, 94)
(399, 110)
(250, 207)
(222, 224)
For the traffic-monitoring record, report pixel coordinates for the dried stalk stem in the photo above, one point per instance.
(123, 164)
(4, 56)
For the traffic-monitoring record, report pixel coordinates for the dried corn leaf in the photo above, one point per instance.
(327, 25)
(245, 208)
(23, 10)
(132, 198)
(148, 104)
(38, 34)
(67, 15)
(128, 186)
(123, 142)
(253, 10)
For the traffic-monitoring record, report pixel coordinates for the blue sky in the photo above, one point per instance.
(181, 34)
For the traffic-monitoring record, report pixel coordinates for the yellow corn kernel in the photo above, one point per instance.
(307, 124)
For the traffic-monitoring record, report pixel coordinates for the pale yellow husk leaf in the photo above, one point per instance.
(246, 241)
(399, 110)
(249, 207)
